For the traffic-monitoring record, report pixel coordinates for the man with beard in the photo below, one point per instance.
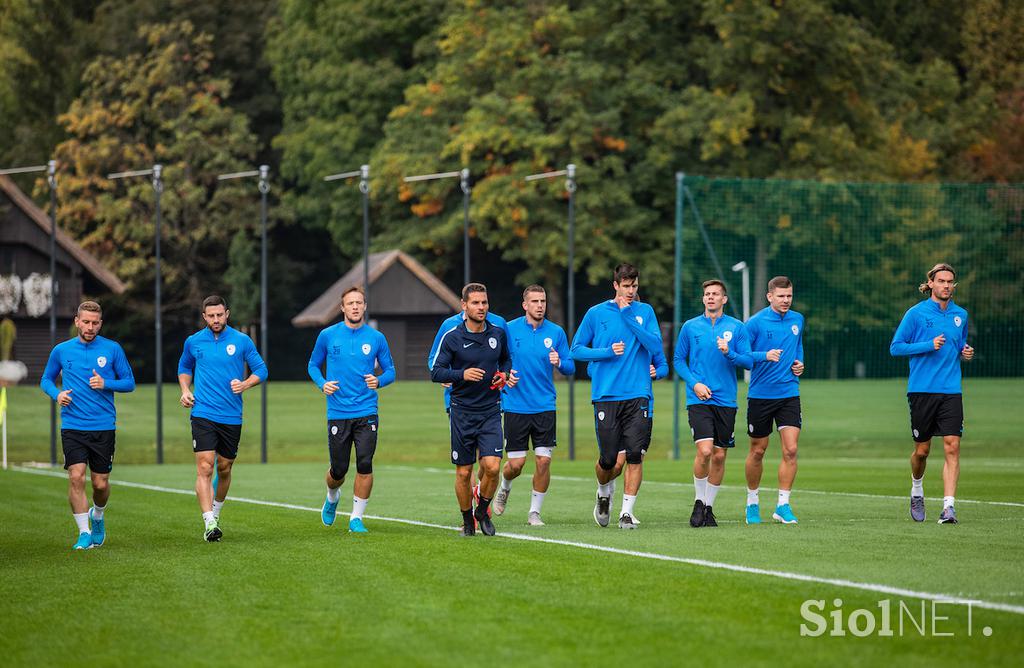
(92, 368)
(216, 356)
(474, 358)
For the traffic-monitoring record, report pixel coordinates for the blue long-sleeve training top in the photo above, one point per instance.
(935, 371)
(451, 323)
(461, 349)
(350, 355)
(770, 330)
(89, 410)
(530, 348)
(213, 362)
(698, 360)
(618, 377)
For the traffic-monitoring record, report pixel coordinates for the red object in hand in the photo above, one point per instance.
(498, 381)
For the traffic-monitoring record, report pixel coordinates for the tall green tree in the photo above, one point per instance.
(341, 68)
(158, 106)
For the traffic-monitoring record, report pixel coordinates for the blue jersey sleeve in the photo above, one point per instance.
(681, 357)
(256, 364)
(753, 330)
(440, 368)
(48, 382)
(387, 364)
(581, 350)
(903, 343)
(648, 333)
(187, 363)
(316, 361)
(800, 341)
(125, 381)
(660, 365)
(739, 351)
(566, 365)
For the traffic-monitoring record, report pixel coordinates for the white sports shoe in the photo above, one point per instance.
(534, 519)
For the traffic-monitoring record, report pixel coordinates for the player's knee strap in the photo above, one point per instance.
(635, 456)
(339, 470)
(542, 452)
(607, 463)
(364, 462)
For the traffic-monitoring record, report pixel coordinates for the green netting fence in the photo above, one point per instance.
(856, 253)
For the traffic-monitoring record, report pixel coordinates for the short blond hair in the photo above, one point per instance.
(91, 307)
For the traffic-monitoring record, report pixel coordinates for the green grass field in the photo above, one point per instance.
(282, 589)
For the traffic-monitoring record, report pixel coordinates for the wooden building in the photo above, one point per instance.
(25, 259)
(407, 304)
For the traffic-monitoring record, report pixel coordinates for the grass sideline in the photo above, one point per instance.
(282, 589)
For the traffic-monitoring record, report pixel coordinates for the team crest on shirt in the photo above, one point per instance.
(492, 342)
(366, 348)
(957, 321)
(231, 349)
(547, 342)
(796, 330)
(101, 361)
(640, 319)
(727, 336)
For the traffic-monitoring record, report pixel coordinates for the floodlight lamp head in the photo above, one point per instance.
(51, 173)
(464, 177)
(739, 266)
(364, 172)
(570, 171)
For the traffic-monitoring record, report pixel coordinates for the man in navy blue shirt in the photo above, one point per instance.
(618, 339)
(709, 349)
(474, 358)
(352, 351)
(92, 368)
(933, 333)
(777, 340)
(538, 346)
(216, 356)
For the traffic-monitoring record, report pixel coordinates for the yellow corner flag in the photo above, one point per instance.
(3, 404)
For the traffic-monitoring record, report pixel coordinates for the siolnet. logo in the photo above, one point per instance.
(366, 348)
(547, 342)
(231, 349)
(101, 361)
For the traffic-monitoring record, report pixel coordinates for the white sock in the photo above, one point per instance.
(209, 517)
(784, 496)
(700, 487)
(217, 505)
(752, 497)
(606, 489)
(916, 486)
(948, 502)
(712, 492)
(82, 520)
(97, 511)
(536, 501)
(506, 484)
(333, 494)
(358, 507)
(627, 504)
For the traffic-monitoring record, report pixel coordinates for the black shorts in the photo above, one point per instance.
(521, 428)
(209, 435)
(715, 422)
(762, 412)
(935, 415)
(622, 426)
(93, 447)
(474, 432)
(341, 434)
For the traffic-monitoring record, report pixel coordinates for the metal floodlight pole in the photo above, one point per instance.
(467, 189)
(51, 179)
(570, 185)
(263, 173)
(742, 266)
(158, 188)
(677, 308)
(264, 186)
(364, 187)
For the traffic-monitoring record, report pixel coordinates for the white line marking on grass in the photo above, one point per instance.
(749, 570)
(687, 485)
